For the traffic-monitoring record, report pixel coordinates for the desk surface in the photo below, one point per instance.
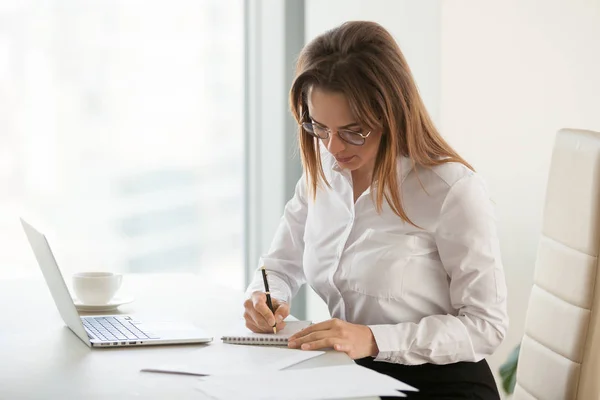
(40, 358)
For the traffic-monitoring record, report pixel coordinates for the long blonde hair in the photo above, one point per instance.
(362, 61)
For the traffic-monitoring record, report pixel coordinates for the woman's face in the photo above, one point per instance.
(331, 110)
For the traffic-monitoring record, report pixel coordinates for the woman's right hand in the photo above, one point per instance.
(259, 318)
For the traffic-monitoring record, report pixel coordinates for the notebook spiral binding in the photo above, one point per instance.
(272, 341)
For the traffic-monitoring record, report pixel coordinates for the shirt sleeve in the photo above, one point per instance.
(283, 261)
(469, 250)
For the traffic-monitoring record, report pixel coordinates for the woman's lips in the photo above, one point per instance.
(344, 160)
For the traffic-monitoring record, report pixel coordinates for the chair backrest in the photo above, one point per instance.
(560, 351)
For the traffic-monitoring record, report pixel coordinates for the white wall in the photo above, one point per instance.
(513, 73)
(416, 27)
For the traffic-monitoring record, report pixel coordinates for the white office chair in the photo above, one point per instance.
(560, 352)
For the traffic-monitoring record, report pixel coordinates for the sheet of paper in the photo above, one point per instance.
(304, 384)
(222, 358)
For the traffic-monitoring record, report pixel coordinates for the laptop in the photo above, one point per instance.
(105, 330)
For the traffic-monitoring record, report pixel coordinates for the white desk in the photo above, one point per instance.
(40, 358)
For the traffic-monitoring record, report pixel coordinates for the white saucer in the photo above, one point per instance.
(110, 306)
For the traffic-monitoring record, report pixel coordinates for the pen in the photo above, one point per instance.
(268, 293)
(164, 371)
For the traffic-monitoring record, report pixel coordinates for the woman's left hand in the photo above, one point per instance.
(355, 340)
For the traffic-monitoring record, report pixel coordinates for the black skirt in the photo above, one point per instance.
(462, 380)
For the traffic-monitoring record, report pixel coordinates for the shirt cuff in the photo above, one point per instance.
(384, 335)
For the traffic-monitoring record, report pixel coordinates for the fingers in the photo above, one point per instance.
(326, 343)
(255, 310)
(255, 326)
(282, 310)
(311, 337)
(251, 325)
(341, 347)
(255, 319)
(260, 316)
(259, 300)
(324, 340)
(347, 348)
(321, 326)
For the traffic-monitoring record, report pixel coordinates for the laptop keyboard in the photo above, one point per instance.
(114, 329)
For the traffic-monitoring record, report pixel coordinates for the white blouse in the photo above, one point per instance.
(434, 294)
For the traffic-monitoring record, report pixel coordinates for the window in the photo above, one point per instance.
(121, 134)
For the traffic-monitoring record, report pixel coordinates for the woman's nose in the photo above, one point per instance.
(334, 143)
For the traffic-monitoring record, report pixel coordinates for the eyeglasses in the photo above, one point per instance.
(349, 136)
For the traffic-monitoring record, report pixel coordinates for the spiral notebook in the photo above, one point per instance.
(245, 336)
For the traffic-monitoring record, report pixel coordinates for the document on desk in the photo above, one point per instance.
(344, 381)
(222, 358)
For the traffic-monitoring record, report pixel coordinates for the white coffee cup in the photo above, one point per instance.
(96, 288)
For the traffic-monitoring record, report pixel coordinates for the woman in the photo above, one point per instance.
(389, 225)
